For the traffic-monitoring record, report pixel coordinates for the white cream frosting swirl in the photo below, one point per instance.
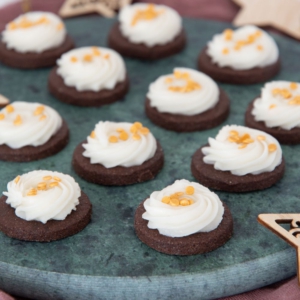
(242, 151)
(204, 215)
(34, 32)
(243, 49)
(113, 144)
(28, 124)
(91, 68)
(54, 202)
(160, 26)
(190, 102)
(278, 105)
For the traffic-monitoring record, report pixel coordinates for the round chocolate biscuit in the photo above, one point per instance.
(207, 175)
(182, 123)
(53, 230)
(196, 243)
(287, 137)
(98, 174)
(70, 95)
(229, 75)
(29, 153)
(34, 60)
(118, 42)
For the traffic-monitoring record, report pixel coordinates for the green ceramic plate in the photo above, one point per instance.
(106, 260)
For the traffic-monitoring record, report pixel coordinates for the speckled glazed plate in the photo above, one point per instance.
(106, 260)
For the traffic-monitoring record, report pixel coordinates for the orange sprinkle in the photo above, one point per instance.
(259, 47)
(93, 134)
(225, 51)
(261, 137)
(9, 108)
(251, 39)
(138, 125)
(32, 192)
(88, 58)
(96, 51)
(133, 129)
(272, 147)
(46, 178)
(123, 136)
(53, 184)
(42, 117)
(272, 106)
(42, 186)
(286, 94)
(191, 201)
(242, 146)
(106, 56)
(276, 92)
(228, 34)
(73, 59)
(2, 116)
(17, 179)
(144, 15)
(293, 85)
(144, 130)
(18, 120)
(39, 110)
(258, 33)
(56, 178)
(166, 200)
(190, 190)
(233, 132)
(174, 202)
(168, 80)
(12, 26)
(60, 26)
(184, 202)
(113, 139)
(136, 136)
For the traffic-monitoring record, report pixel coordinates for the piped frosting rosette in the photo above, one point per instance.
(43, 195)
(278, 105)
(91, 68)
(149, 24)
(119, 144)
(28, 124)
(34, 32)
(182, 209)
(243, 49)
(242, 151)
(186, 91)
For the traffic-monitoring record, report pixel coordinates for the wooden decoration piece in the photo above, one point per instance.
(283, 15)
(3, 101)
(107, 8)
(272, 221)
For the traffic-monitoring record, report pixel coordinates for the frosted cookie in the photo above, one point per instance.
(277, 111)
(43, 206)
(34, 40)
(243, 56)
(89, 76)
(147, 31)
(118, 154)
(186, 100)
(239, 159)
(31, 131)
(184, 218)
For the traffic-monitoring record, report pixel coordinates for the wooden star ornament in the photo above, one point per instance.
(291, 236)
(107, 8)
(283, 15)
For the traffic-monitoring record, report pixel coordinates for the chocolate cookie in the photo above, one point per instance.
(29, 153)
(182, 123)
(121, 44)
(227, 182)
(287, 137)
(70, 95)
(36, 231)
(97, 173)
(196, 243)
(229, 75)
(33, 60)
